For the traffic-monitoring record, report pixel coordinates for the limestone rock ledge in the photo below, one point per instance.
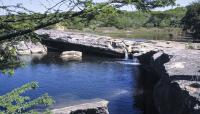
(28, 47)
(94, 107)
(178, 90)
(25, 47)
(87, 43)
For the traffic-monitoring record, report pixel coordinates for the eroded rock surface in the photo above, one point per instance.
(178, 90)
(94, 107)
(83, 42)
(25, 47)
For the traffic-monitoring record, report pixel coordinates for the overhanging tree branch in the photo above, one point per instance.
(41, 25)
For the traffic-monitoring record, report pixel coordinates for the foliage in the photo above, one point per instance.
(191, 20)
(169, 18)
(165, 33)
(13, 102)
(20, 22)
(127, 19)
(8, 59)
(27, 21)
(146, 4)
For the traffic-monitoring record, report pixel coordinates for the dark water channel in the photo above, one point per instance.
(73, 82)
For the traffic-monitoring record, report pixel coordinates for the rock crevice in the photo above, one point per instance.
(178, 89)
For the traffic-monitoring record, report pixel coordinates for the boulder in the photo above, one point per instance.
(71, 55)
(94, 107)
(28, 47)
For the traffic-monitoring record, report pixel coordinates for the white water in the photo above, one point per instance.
(126, 54)
(128, 61)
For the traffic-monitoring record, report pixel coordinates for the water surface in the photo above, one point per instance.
(73, 82)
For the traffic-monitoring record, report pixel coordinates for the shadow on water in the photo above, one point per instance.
(54, 58)
(126, 86)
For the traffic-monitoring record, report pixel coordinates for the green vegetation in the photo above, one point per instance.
(13, 102)
(191, 20)
(158, 25)
(89, 11)
(21, 22)
(125, 19)
(140, 33)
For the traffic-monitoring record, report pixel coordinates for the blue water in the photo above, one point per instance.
(74, 82)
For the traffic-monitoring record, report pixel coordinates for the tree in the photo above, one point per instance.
(20, 22)
(191, 21)
(13, 102)
(88, 9)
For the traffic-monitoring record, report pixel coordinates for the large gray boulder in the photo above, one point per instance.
(24, 47)
(94, 107)
(28, 47)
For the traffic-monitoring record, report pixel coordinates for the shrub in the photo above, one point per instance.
(191, 21)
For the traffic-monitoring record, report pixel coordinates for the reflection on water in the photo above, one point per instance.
(76, 81)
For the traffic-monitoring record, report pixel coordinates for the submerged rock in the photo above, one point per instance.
(71, 55)
(94, 107)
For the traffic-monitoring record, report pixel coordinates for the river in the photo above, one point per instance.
(73, 82)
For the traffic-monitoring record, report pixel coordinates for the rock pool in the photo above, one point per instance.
(74, 82)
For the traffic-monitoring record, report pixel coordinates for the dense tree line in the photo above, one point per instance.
(127, 19)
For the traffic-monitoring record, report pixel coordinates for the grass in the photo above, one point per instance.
(136, 33)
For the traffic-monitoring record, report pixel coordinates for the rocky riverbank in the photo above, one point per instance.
(25, 47)
(175, 64)
(178, 67)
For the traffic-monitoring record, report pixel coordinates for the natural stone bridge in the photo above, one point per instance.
(173, 67)
(86, 43)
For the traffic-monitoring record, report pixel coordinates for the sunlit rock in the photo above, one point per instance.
(71, 55)
(28, 47)
(177, 91)
(94, 107)
(83, 42)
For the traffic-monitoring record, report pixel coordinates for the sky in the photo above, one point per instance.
(39, 5)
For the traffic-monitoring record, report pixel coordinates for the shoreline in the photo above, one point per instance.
(174, 65)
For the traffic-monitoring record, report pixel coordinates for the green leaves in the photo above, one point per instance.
(11, 72)
(146, 5)
(8, 58)
(191, 21)
(13, 102)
